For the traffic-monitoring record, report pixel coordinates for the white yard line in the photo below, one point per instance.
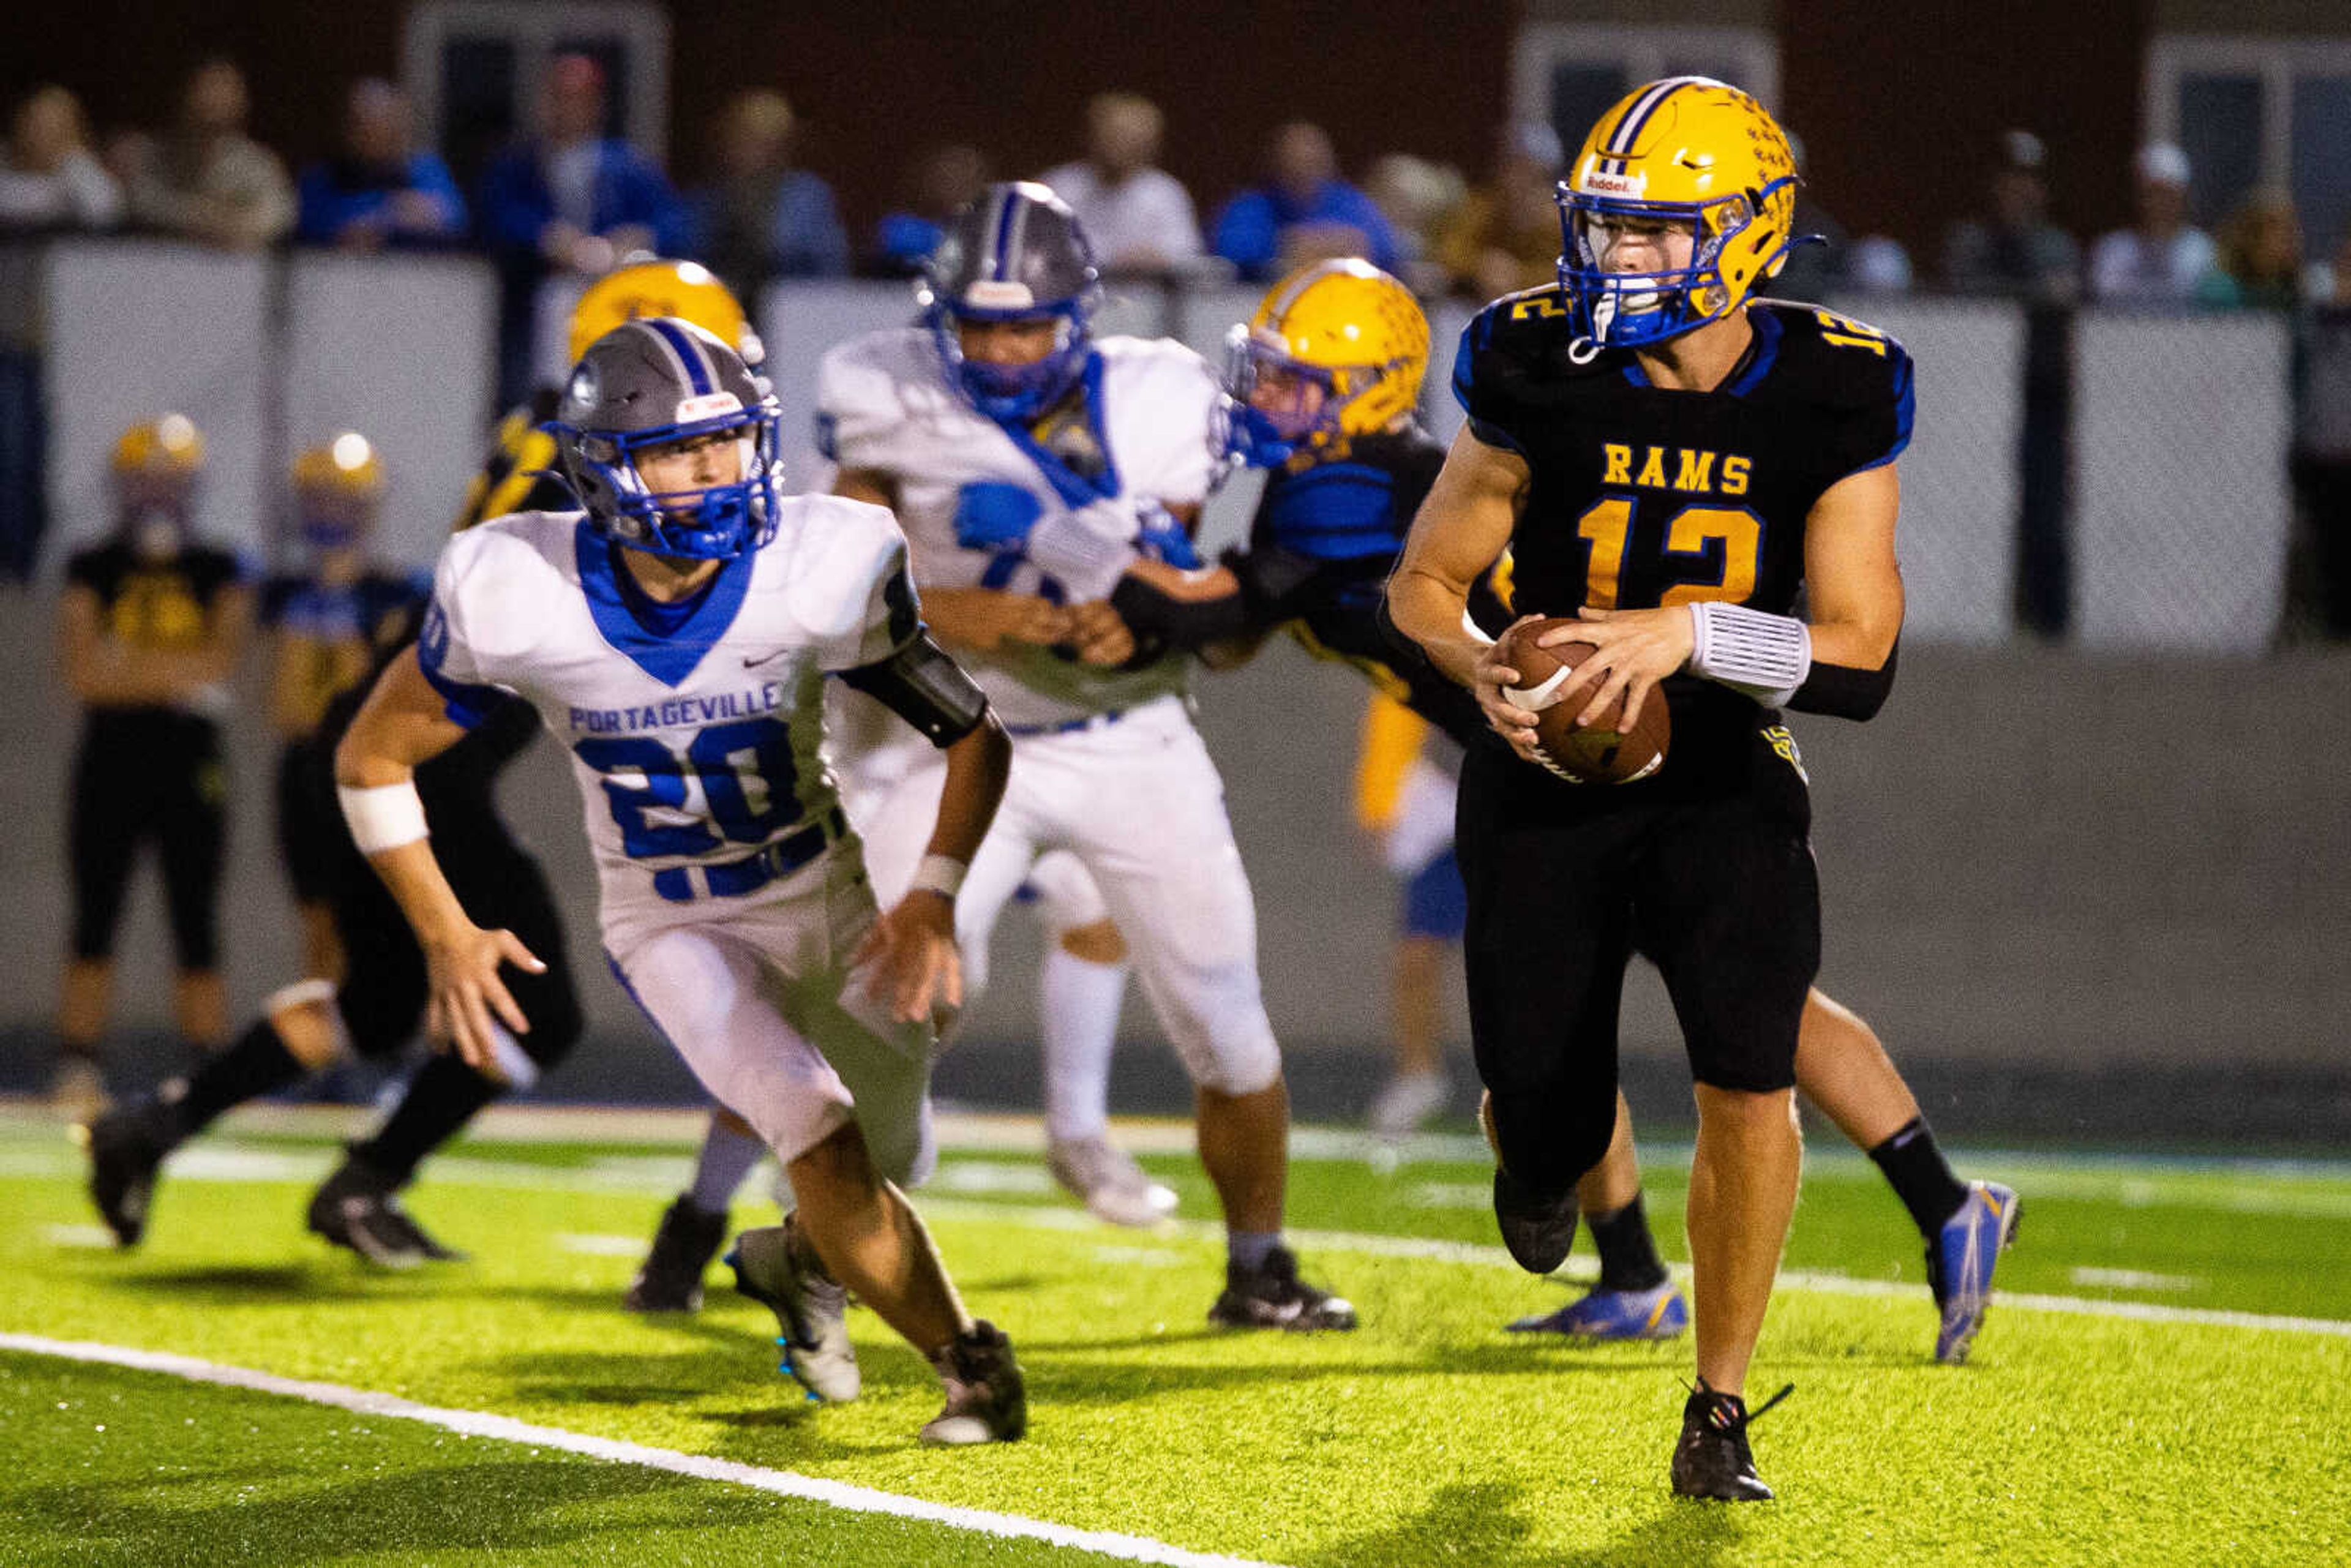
(701, 1467)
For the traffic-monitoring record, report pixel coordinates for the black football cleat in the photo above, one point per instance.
(987, 1399)
(1712, 1460)
(670, 1279)
(358, 1209)
(1539, 1231)
(1272, 1296)
(125, 1153)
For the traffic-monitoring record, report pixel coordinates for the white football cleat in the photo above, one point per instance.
(776, 1267)
(1406, 1101)
(1106, 1179)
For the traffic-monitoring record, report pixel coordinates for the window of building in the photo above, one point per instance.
(2265, 110)
(473, 68)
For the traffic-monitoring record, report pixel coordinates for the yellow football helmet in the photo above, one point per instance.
(1335, 351)
(1684, 156)
(682, 289)
(168, 448)
(349, 466)
(337, 487)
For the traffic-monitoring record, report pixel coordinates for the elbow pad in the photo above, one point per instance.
(1155, 616)
(1843, 692)
(927, 689)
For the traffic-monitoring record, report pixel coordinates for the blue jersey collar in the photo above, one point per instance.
(668, 657)
(1075, 490)
(1758, 358)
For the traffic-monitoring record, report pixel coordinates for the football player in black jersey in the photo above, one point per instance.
(1323, 382)
(150, 628)
(1671, 459)
(326, 624)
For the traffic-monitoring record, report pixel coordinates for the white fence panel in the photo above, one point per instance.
(2181, 504)
(137, 330)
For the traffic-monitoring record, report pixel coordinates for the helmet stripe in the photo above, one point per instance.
(689, 352)
(1004, 235)
(1299, 285)
(1628, 129)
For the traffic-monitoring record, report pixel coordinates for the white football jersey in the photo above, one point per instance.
(884, 404)
(698, 745)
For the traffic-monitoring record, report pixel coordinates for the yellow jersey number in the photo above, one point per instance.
(1609, 523)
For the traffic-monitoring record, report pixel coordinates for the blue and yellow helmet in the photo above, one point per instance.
(1686, 154)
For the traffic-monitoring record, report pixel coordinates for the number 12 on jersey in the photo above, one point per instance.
(1690, 536)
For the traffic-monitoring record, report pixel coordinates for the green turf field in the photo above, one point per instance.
(2080, 1433)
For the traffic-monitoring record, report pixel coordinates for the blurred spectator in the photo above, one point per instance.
(2160, 259)
(1876, 264)
(1418, 198)
(378, 192)
(1138, 216)
(49, 178)
(763, 218)
(2257, 256)
(570, 200)
(1505, 235)
(207, 180)
(1818, 262)
(945, 180)
(2015, 249)
(1304, 213)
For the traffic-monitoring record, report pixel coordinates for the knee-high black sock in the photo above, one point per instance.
(1921, 1178)
(256, 1064)
(1628, 1253)
(441, 1098)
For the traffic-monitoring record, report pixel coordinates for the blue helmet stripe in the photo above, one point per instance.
(688, 351)
(1004, 228)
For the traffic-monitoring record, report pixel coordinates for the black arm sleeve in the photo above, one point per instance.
(1158, 617)
(927, 689)
(1843, 692)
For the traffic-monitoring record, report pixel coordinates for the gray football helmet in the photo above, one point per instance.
(1016, 253)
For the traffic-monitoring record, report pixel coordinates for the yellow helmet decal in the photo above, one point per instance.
(686, 290)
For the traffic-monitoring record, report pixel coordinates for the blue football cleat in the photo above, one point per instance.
(1601, 1314)
(1960, 1264)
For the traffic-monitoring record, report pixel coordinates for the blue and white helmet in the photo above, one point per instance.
(649, 382)
(1014, 254)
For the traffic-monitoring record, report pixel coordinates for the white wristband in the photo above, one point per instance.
(1766, 656)
(384, 818)
(941, 874)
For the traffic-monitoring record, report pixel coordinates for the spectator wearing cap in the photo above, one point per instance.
(1139, 217)
(2014, 249)
(2161, 257)
(1505, 235)
(762, 218)
(207, 181)
(570, 199)
(378, 190)
(1304, 213)
(945, 180)
(49, 176)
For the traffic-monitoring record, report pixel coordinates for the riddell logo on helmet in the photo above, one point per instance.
(1600, 184)
(710, 405)
(987, 295)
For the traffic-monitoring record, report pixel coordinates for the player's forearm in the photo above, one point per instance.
(977, 766)
(976, 620)
(1432, 612)
(413, 875)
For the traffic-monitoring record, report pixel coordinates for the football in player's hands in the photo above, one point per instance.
(1597, 753)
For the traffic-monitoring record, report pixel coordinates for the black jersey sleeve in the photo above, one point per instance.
(1858, 378)
(1508, 351)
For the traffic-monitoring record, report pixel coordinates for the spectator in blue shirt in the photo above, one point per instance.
(1304, 213)
(377, 192)
(763, 218)
(573, 199)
